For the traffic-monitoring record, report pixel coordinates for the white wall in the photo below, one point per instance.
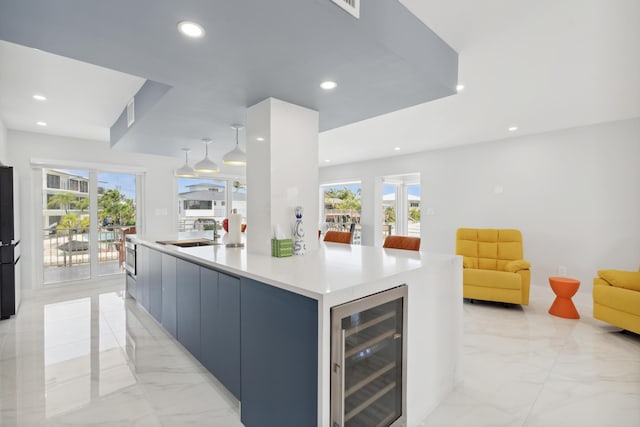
(3, 143)
(159, 198)
(574, 194)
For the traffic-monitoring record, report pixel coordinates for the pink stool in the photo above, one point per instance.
(564, 288)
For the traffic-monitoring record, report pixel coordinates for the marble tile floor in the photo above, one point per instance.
(526, 368)
(83, 355)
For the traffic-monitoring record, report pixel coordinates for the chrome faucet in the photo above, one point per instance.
(215, 230)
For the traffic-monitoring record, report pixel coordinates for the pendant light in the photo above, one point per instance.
(186, 171)
(235, 157)
(206, 165)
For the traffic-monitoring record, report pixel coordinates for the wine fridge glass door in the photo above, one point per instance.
(368, 373)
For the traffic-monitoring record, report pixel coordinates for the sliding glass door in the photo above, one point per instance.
(116, 217)
(66, 221)
(85, 215)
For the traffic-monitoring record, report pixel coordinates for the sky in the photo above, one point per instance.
(125, 183)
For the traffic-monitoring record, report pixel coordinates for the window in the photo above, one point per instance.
(239, 198)
(200, 201)
(401, 205)
(197, 204)
(84, 187)
(52, 204)
(73, 185)
(342, 208)
(413, 202)
(389, 208)
(53, 181)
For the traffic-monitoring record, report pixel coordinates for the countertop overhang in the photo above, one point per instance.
(331, 269)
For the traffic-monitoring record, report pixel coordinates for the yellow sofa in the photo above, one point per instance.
(616, 298)
(494, 268)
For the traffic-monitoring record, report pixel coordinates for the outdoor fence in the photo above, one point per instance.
(66, 247)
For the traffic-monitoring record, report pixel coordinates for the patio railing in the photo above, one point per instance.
(67, 247)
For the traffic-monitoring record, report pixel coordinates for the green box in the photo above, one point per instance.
(281, 248)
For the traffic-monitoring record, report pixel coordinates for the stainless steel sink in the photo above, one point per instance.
(189, 243)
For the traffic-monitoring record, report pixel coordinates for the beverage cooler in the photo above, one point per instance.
(368, 361)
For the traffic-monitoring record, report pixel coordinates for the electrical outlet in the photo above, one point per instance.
(562, 271)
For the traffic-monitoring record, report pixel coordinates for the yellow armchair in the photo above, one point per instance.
(616, 298)
(493, 265)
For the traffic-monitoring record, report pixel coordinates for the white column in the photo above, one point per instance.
(282, 172)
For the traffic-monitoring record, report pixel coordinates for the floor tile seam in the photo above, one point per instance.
(546, 380)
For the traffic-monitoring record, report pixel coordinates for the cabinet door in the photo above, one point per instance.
(209, 347)
(169, 316)
(188, 306)
(220, 327)
(228, 322)
(279, 338)
(155, 284)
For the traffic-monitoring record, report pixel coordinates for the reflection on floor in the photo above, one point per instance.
(75, 272)
(86, 356)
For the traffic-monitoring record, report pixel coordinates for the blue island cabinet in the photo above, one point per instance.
(188, 306)
(220, 327)
(155, 284)
(279, 364)
(259, 341)
(169, 284)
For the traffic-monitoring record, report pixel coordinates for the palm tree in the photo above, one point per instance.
(64, 200)
(109, 204)
(82, 204)
(237, 185)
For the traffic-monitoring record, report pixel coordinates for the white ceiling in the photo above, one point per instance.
(83, 100)
(542, 66)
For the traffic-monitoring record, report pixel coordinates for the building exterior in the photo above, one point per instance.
(59, 182)
(205, 202)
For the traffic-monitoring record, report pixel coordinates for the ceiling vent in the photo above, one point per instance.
(351, 6)
(131, 112)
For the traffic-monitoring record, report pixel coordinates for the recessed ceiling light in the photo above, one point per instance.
(260, 139)
(328, 85)
(513, 128)
(327, 161)
(41, 123)
(397, 148)
(39, 97)
(190, 29)
(460, 87)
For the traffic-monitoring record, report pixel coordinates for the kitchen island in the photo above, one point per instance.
(261, 325)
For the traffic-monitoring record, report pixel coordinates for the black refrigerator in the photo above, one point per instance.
(9, 244)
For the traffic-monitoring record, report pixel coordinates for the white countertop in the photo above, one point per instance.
(332, 268)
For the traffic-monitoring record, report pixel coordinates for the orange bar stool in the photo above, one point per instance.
(402, 242)
(564, 288)
(338, 237)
